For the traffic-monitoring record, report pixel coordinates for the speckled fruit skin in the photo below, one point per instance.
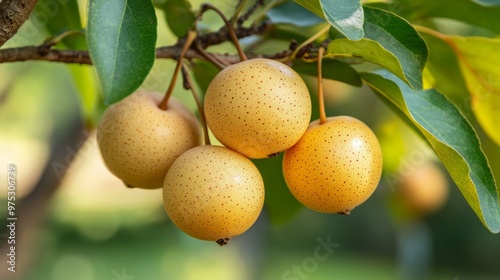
(138, 141)
(335, 166)
(424, 190)
(213, 193)
(258, 107)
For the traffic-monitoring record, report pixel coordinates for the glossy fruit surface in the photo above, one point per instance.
(335, 166)
(258, 107)
(213, 193)
(138, 141)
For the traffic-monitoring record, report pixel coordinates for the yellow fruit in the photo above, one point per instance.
(213, 193)
(335, 166)
(258, 107)
(424, 190)
(138, 141)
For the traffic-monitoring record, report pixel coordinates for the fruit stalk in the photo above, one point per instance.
(191, 36)
(322, 113)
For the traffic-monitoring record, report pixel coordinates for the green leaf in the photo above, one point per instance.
(332, 69)
(468, 11)
(279, 202)
(346, 16)
(368, 50)
(398, 37)
(121, 37)
(451, 136)
(179, 16)
(479, 59)
(293, 14)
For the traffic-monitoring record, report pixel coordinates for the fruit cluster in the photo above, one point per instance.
(256, 108)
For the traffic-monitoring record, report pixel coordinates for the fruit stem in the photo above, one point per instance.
(322, 113)
(189, 82)
(191, 36)
(308, 41)
(230, 29)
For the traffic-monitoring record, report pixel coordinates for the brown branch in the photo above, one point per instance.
(13, 13)
(45, 52)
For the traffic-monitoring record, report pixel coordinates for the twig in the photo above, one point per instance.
(42, 53)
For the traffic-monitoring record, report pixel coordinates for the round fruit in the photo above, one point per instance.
(258, 107)
(138, 141)
(213, 193)
(335, 166)
(424, 190)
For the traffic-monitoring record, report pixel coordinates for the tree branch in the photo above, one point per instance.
(45, 52)
(13, 13)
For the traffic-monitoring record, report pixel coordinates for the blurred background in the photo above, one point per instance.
(85, 224)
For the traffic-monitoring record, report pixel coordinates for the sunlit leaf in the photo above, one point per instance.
(479, 60)
(121, 37)
(447, 78)
(347, 16)
(452, 138)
